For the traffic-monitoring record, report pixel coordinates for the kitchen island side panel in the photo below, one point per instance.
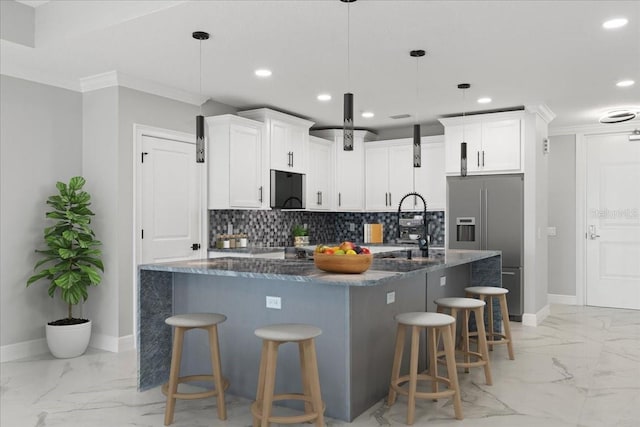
(373, 334)
(243, 301)
(155, 298)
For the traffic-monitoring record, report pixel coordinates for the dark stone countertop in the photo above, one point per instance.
(385, 267)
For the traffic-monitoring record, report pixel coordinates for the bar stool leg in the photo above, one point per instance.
(465, 339)
(269, 382)
(304, 368)
(506, 324)
(217, 370)
(482, 344)
(397, 360)
(313, 380)
(261, 375)
(413, 374)
(432, 347)
(451, 369)
(174, 373)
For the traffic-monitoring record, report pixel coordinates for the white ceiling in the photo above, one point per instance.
(516, 52)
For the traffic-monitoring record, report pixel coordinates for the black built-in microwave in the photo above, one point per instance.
(287, 190)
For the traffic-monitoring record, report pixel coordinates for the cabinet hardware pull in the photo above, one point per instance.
(478, 162)
(482, 158)
(390, 202)
(339, 199)
(386, 199)
(260, 198)
(508, 273)
(292, 159)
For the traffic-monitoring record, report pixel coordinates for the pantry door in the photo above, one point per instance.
(171, 200)
(613, 221)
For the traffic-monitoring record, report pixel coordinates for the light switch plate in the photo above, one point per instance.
(443, 280)
(274, 302)
(391, 297)
(551, 231)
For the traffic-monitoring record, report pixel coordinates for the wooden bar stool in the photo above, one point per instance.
(182, 323)
(272, 337)
(436, 324)
(468, 306)
(488, 293)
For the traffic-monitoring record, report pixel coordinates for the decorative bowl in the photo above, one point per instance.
(342, 263)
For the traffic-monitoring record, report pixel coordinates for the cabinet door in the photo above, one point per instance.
(470, 133)
(349, 175)
(245, 172)
(297, 143)
(430, 179)
(400, 173)
(320, 176)
(279, 141)
(376, 182)
(500, 146)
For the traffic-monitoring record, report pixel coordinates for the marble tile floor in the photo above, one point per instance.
(581, 367)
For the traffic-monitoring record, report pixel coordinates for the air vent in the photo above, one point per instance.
(400, 116)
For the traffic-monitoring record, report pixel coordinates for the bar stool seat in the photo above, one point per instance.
(489, 293)
(441, 324)
(272, 337)
(182, 323)
(468, 306)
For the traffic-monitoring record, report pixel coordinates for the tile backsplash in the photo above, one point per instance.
(273, 227)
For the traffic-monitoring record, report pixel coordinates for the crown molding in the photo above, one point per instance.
(115, 78)
(595, 129)
(38, 76)
(543, 111)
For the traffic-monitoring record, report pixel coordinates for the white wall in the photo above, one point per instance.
(40, 143)
(562, 216)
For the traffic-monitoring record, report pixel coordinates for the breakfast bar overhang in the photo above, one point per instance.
(355, 313)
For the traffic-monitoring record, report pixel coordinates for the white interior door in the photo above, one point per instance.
(171, 202)
(613, 221)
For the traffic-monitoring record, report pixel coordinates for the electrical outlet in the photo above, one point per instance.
(391, 297)
(443, 280)
(352, 226)
(274, 302)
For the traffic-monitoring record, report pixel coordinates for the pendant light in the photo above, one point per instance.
(417, 150)
(347, 142)
(200, 36)
(463, 144)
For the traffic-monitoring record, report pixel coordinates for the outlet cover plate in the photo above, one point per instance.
(391, 297)
(274, 302)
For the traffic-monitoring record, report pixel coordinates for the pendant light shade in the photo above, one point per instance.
(417, 148)
(200, 35)
(348, 122)
(347, 132)
(463, 144)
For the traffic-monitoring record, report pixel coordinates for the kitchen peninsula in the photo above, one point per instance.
(355, 313)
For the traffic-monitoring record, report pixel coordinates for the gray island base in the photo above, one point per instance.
(355, 350)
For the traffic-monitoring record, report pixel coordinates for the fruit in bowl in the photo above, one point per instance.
(345, 258)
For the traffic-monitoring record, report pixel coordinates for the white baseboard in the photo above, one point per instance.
(23, 349)
(37, 347)
(562, 299)
(529, 319)
(111, 343)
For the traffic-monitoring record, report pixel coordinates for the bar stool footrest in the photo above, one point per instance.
(397, 387)
(461, 364)
(197, 394)
(256, 410)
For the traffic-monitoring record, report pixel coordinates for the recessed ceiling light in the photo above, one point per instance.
(367, 114)
(324, 97)
(484, 100)
(263, 72)
(615, 23)
(625, 83)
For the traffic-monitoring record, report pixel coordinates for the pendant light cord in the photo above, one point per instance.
(417, 86)
(348, 47)
(200, 65)
(464, 107)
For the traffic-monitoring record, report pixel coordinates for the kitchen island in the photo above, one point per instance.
(355, 313)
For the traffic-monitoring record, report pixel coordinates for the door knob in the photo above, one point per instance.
(592, 232)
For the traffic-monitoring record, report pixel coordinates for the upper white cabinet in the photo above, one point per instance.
(320, 179)
(494, 143)
(286, 136)
(349, 169)
(237, 175)
(430, 180)
(388, 173)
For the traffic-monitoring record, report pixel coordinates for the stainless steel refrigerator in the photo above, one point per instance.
(487, 212)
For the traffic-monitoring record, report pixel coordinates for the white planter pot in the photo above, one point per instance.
(69, 340)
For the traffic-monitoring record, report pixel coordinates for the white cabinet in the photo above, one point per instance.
(349, 169)
(286, 136)
(494, 143)
(237, 175)
(430, 179)
(321, 174)
(388, 173)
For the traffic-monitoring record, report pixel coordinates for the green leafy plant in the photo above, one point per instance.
(299, 230)
(72, 260)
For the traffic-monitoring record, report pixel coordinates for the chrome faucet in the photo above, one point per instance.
(423, 240)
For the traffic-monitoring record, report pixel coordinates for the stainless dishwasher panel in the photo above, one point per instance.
(512, 281)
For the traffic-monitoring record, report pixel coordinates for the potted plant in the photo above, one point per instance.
(70, 264)
(300, 235)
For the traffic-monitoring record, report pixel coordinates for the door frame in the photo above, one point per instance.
(581, 133)
(140, 131)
